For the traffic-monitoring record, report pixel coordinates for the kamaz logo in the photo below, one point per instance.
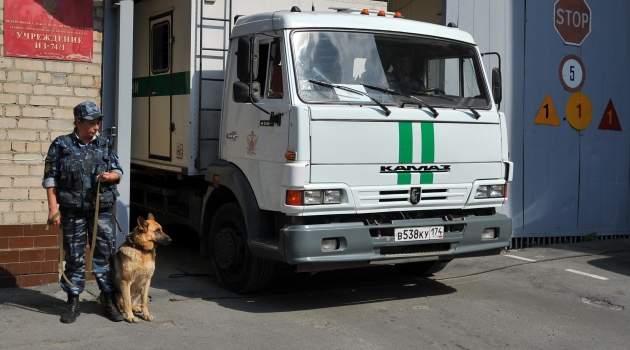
(415, 169)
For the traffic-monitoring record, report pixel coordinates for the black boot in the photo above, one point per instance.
(73, 310)
(111, 310)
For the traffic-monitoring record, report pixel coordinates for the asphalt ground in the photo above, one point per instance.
(573, 296)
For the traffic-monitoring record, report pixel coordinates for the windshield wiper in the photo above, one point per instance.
(394, 92)
(474, 112)
(385, 109)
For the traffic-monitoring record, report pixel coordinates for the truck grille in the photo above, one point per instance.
(431, 195)
(403, 196)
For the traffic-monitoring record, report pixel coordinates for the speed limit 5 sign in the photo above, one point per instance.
(572, 73)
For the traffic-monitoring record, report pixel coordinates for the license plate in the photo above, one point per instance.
(418, 233)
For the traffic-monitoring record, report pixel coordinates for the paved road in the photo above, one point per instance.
(560, 297)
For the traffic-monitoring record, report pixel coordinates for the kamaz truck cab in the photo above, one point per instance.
(333, 154)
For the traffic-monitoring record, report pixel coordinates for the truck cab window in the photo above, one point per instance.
(456, 76)
(263, 52)
(160, 47)
(275, 89)
(444, 73)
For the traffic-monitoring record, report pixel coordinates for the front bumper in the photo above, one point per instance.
(362, 245)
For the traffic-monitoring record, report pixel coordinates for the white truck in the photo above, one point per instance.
(321, 140)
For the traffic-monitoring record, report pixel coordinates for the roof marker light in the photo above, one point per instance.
(381, 13)
(365, 12)
(398, 15)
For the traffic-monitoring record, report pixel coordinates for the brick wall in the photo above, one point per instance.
(36, 101)
(29, 255)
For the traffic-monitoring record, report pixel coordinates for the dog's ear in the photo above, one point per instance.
(141, 222)
(150, 217)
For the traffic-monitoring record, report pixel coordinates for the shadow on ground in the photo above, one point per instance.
(41, 301)
(609, 255)
(186, 275)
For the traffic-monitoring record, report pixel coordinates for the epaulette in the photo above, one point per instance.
(65, 141)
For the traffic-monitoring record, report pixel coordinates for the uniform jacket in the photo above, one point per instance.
(72, 167)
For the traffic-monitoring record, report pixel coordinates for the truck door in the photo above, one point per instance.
(160, 42)
(253, 143)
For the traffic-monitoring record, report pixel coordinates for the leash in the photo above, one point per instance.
(93, 244)
(60, 268)
(89, 267)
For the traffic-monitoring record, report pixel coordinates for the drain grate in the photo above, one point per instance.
(528, 242)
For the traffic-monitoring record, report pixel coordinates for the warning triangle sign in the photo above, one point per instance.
(547, 114)
(610, 121)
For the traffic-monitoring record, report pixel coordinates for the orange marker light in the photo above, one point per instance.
(505, 189)
(216, 178)
(289, 155)
(294, 197)
(381, 13)
(365, 12)
(398, 15)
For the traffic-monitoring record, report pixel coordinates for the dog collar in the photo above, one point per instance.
(133, 245)
(130, 242)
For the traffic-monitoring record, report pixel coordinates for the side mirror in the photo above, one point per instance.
(242, 92)
(496, 85)
(247, 48)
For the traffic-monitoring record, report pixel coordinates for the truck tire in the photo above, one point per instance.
(423, 268)
(234, 265)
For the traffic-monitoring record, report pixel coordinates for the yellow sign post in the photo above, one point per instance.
(579, 111)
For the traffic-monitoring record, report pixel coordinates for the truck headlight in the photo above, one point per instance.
(313, 197)
(496, 191)
(332, 196)
(482, 192)
(490, 191)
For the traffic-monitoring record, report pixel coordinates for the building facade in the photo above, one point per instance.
(36, 100)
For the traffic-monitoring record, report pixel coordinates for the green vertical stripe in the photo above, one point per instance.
(428, 150)
(426, 178)
(405, 150)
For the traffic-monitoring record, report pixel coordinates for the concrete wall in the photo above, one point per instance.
(36, 101)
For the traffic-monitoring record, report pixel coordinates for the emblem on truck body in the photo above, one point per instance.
(415, 168)
(415, 194)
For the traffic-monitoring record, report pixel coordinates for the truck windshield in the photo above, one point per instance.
(444, 73)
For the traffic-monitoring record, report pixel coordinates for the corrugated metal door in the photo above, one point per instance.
(576, 182)
(567, 182)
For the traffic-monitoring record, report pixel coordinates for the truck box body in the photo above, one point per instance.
(177, 101)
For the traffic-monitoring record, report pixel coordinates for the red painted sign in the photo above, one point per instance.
(572, 19)
(610, 120)
(50, 29)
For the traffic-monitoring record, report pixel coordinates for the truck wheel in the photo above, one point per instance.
(233, 263)
(423, 268)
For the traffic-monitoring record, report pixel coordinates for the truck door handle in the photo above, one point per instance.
(232, 136)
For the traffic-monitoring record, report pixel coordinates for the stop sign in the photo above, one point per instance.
(572, 19)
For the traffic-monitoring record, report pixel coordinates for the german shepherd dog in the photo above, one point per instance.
(133, 268)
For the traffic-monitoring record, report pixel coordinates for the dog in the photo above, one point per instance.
(133, 267)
